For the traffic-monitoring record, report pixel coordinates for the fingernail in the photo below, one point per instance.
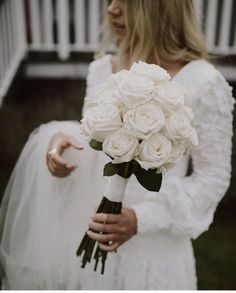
(88, 233)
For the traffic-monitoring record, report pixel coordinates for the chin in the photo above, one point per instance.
(119, 39)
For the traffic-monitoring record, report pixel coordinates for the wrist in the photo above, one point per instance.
(134, 220)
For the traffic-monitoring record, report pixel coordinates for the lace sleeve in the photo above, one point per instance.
(98, 71)
(186, 205)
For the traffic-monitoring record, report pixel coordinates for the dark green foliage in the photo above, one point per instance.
(149, 179)
(97, 145)
(110, 169)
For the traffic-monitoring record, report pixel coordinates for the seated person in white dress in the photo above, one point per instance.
(44, 217)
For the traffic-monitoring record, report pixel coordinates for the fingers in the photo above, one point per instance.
(58, 167)
(106, 218)
(56, 164)
(57, 160)
(104, 228)
(58, 143)
(103, 237)
(60, 163)
(61, 141)
(57, 171)
(106, 242)
(74, 143)
(110, 247)
(112, 230)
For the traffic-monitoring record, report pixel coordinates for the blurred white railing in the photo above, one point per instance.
(65, 26)
(72, 25)
(219, 25)
(12, 41)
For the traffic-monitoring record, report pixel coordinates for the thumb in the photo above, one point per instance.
(74, 143)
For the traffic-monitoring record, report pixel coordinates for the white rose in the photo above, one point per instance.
(117, 78)
(154, 152)
(121, 146)
(153, 71)
(107, 97)
(144, 120)
(179, 128)
(170, 95)
(101, 121)
(135, 90)
(177, 151)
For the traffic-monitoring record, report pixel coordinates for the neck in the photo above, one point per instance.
(173, 68)
(119, 63)
(122, 62)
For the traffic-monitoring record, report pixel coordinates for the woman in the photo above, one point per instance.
(46, 216)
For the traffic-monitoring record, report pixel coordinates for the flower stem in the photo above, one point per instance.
(87, 244)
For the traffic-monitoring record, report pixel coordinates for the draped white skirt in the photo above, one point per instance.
(44, 218)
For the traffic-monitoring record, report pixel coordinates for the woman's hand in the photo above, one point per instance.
(116, 229)
(56, 164)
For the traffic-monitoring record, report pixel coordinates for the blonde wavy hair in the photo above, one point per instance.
(165, 29)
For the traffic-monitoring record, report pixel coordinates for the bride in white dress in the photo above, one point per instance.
(44, 217)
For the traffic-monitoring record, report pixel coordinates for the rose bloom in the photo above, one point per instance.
(152, 71)
(144, 121)
(121, 146)
(135, 90)
(154, 152)
(101, 121)
(105, 97)
(179, 128)
(118, 78)
(177, 151)
(170, 95)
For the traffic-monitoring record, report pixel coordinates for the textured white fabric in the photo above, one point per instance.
(115, 188)
(45, 217)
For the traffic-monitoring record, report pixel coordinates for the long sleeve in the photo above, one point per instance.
(186, 205)
(98, 72)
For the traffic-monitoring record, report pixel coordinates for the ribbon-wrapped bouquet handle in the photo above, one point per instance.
(142, 121)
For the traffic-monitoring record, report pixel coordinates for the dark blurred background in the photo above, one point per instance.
(45, 49)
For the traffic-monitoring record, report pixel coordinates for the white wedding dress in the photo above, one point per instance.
(43, 218)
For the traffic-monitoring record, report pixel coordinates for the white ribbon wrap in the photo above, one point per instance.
(115, 188)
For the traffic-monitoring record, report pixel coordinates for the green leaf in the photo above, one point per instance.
(110, 169)
(149, 179)
(127, 169)
(97, 145)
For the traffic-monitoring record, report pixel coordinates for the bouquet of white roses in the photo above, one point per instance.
(142, 121)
